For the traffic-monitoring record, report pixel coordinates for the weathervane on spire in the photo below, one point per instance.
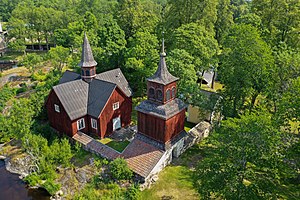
(163, 53)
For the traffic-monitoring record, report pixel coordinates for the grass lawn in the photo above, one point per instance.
(175, 182)
(188, 126)
(116, 145)
(217, 86)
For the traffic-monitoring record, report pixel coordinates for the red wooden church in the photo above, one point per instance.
(161, 117)
(88, 102)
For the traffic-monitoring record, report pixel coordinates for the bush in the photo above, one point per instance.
(133, 192)
(119, 169)
(32, 179)
(51, 187)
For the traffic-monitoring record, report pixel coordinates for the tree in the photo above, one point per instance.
(288, 108)
(244, 159)
(180, 12)
(280, 19)
(133, 16)
(141, 59)
(112, 41)
(59, 56)
(198, 42)
(180, 64)
(246, 68)
(224, 19)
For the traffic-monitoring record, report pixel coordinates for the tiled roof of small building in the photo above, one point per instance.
(164, 111)
(142, 157)
(87, 58)
(162, 75)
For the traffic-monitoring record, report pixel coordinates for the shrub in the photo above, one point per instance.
(32, 179)
(119, 169)
(133, 192)
(51, 187)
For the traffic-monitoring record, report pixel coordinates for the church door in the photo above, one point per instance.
(116, 123)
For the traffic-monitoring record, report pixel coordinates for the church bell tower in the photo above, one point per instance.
(161, 117)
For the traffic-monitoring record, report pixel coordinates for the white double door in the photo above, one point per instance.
(116, 123)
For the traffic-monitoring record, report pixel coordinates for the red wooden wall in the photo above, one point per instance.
(62, 123)
(160, 129)
(163, 89)
(108, 114)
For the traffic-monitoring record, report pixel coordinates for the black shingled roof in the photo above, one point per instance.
(162, 75)
(164, 111)
(87, 58)
(80, 98)
(99, 93)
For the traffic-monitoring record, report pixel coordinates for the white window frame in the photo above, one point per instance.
(94, 123)
(56, 108)
(79, 122)
(116, 106)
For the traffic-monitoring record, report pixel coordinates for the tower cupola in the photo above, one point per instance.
(87, 63)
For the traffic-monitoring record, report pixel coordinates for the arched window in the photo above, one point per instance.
(82, 72)
(173, 92)
(168, 94)
(92, 72)
(159, 95)
(87, 72)
(151, 93)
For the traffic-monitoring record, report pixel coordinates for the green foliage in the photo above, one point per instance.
(51, 187)
(31, 60)
(32, 179)
(119, 169)
(198, 42)
(243, 159)
(141, 60)
(6, 93)
(133, 192)
(59, 56)
(246, 68)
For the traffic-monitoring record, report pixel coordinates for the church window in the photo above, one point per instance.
(56, 108)
(87, 72)
(159, 95)
(151, 93)
(116, 106)
(173, 92)
(80, 124)
(94, 123)
(168, 95)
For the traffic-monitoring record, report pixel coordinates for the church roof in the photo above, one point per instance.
(164, 111)
(87, 58)
(162, 75)
(116, 76)
(80, 98)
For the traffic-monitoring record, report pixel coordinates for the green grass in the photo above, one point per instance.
(217, 86)
(175, 182)
(116, 145)
(188, 126)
